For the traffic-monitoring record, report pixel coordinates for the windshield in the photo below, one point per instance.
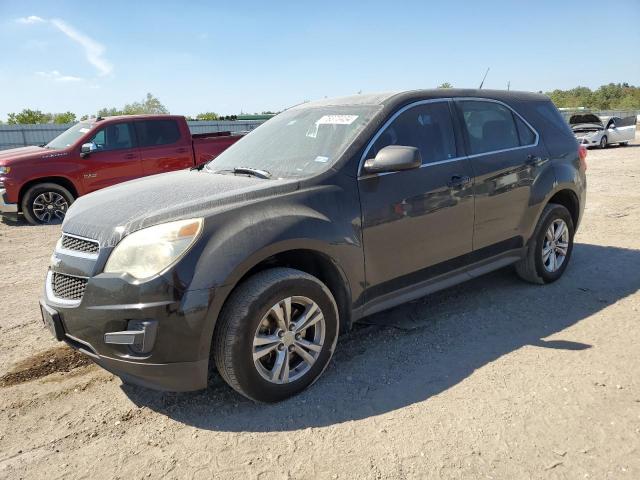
(298, 142)
(69, 137)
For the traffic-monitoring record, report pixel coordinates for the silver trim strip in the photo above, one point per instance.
(51, 296)
(76, 253)
(361, 174)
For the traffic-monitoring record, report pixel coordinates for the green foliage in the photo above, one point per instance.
(445, 85)
(608, 97)
(66, 117)
(207, 116)
(28, 116)
(148, 105)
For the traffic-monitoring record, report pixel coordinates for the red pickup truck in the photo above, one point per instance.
(42, 182)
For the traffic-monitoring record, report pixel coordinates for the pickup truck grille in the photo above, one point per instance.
(67, 287)
(80, 244)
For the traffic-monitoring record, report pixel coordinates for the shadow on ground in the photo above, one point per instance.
(378, 369)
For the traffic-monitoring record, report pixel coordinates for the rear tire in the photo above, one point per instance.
(544, 261)
(260, 353)
(46, 203)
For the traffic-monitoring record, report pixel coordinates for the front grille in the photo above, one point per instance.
(79, 244)
(68, 287)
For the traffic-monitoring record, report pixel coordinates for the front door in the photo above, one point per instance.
(115, 160)
(417, 224)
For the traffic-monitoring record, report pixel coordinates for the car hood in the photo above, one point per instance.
(22, 154)
(112, 213)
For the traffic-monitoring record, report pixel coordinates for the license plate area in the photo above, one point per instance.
(51, 320)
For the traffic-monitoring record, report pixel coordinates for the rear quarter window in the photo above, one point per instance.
(153, 133)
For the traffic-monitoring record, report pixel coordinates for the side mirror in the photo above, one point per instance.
(87, 149)
(394, 158)
(612, 126)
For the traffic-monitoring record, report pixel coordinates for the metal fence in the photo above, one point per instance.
(12, 136)
(568, 112)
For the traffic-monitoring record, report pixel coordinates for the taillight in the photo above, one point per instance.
(582, 154)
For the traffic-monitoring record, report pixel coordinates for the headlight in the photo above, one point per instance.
(149, 251)
(4, 170)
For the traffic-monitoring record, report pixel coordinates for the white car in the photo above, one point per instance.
(590, 130)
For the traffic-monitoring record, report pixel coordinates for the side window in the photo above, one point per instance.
(157, 132)
(113, 137)
(490, 126)
(427, 127)
(527, 136)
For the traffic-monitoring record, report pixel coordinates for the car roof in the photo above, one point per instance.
(396, 97)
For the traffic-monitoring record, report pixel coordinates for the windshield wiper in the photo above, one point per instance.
(256, 172)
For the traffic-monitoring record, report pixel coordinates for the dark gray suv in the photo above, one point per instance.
(328, 212)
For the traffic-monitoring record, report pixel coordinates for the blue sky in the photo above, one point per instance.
(253, 56)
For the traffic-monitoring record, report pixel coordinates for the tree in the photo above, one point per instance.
(66, 117)
(28, 116)
(445, 85)
(207, 116)
(148, 105)
(611, 96)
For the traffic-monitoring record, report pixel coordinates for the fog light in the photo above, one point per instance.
(140, 335)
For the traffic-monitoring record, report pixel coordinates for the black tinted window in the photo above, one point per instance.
(427, 127)
(527, 136)
(113, 137)
(551, 114)
(490, 126)
(157, 132)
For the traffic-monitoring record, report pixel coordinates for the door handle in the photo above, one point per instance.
(459, 181)
(181, 150)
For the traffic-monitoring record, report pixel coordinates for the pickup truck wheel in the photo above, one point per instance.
(550, 247)
(46, 203)
(276, 334)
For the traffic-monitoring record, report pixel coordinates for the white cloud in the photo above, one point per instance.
(58, 77)
(30, 19)
(93, 50)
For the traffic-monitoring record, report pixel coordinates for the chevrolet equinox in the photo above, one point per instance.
(326, 213)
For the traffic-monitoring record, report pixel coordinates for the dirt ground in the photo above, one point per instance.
(494, 378)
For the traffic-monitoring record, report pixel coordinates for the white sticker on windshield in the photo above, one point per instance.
(321, 159)
(337, 120)
(84, 130)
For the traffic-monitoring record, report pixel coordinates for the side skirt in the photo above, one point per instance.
(449, 279)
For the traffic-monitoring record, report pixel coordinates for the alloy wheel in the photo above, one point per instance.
(289, 340)
(50, 206)
(555, 245)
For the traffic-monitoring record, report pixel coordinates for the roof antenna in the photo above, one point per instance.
(485, 76)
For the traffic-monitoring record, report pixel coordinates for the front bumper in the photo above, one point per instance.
(177, 359)
(5, 207)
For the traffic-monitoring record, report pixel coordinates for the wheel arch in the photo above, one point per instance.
(316, 263)
(568, 199)
(62, 181)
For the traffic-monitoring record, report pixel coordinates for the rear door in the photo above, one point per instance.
(417, 224)
(116, 158)
(163, 146)
(506, 157)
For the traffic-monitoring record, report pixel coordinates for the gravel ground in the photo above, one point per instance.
(494, 378)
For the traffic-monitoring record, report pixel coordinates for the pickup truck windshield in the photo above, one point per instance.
(69, 137)
(298, 142)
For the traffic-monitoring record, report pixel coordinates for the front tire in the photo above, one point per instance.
(276, 334)
(603, 142)
(46, 203)
(549, 249)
